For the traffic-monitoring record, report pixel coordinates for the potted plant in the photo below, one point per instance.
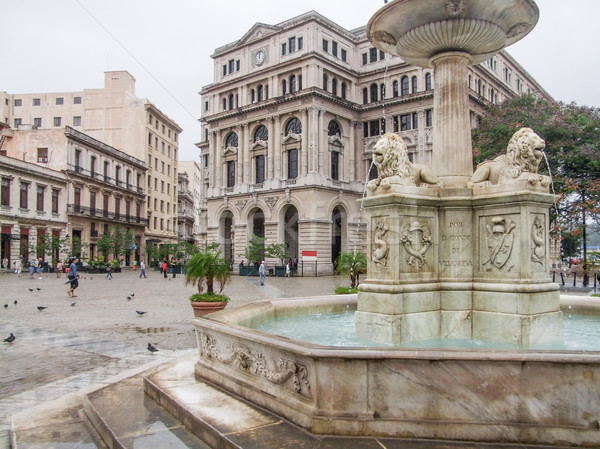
(115, 264)
(208, 267)
(353, 264)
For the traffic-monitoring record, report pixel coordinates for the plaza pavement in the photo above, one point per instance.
(64, 349)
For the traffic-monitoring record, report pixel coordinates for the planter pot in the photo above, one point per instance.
(204, 308)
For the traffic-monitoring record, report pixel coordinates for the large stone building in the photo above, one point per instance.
(193, 179)
(290, 121)
(116, 117)
(98, 186)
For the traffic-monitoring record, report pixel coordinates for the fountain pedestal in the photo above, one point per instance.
(459, 263)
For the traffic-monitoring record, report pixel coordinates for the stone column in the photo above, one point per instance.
(308, 124)
(452, 151)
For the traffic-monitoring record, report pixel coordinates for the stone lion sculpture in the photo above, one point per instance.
(390, 156)
(521, 161)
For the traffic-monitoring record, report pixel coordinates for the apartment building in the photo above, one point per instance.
(289, 124)
(193, 176)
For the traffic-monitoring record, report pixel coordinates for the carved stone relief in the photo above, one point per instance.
(271, 201)
(499, 239)
(416, 239)
(538, 241)
(455, 7)
(380, 242)
(287, 373)
(240, 204)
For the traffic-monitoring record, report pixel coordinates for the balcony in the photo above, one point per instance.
(103, 178)
(74, 209)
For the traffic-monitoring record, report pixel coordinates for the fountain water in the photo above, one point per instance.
(451, 254)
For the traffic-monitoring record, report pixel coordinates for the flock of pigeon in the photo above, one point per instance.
(141, 313)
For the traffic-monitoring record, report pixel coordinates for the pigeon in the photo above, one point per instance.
(11, 338)
(16, 302)
(6, 306)
(132, 295)
(73, 303)
(151, 348)
(40, 308)
(129, 298)
(140, 313)
(38, 289)
(91, 278)
(30, 289)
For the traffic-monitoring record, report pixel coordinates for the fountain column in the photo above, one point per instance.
(453, 161)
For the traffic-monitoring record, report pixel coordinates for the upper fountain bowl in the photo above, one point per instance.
(417, 30)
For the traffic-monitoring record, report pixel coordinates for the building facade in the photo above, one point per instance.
(116, 116)
(104, 187)
(289, 124)
(194, 176)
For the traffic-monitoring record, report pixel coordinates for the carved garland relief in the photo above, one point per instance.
(416, 240)
(289, 374)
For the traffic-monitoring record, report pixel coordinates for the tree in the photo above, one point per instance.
(208, 267)
(572, 135)
(278, 250)
(118, 241)
(104, 244)
(255, 250)
(352, 263)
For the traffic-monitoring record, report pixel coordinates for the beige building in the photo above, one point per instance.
(194, 177)
(104, 187)
(115, 116)
(289, 126)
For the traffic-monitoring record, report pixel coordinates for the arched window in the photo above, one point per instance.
(259, 91)
(404, 86)
(252, 96)
(292, 84)
(231, 103)
(334, 86)
(343, 90)
(284, 87)
(413, 81)
(261, 133)
(395, 88)
(334, 128)
(224, 104)
(293, 126)
(373, 93)
(232, 140)
(428, 81)
(382, 89)
(365, 95)
(325, 81)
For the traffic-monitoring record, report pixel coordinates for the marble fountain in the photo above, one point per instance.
(452, 253)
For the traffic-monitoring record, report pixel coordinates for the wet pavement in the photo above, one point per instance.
(65, 349)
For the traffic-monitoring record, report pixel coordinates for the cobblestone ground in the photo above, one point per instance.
(66, 347)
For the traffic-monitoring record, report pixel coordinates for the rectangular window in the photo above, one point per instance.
(18, 102)
(37, 102)
(42, 154)
(77, 199)
(230, 173)
(344, 55)
(293, 164)
(334, 48)
(396, 123)
(372, 54)
(429, 117)
(374, 127)
(260, 169)
(138, 210)
(405, 122)
(23, 198)
(335, 159)
(55, 201)
(231, 65)
(92, 203)
(155, 183)
(325, 45)
(106, 177)
(284, 48)
(162, 147)
(40, 198)
(415, 120)
(162, 186)
(77, 121)
(162, 205)
(364, 59)
(205, 157)
(292, 44)
(149, 139)
(127, 209)
(237, 65)
(117, 208)
(300, 43)
(37, 122)
(60, 100)
(366, 129)
(18, 122)
(76, 100)
(5, 195)
(57, 121)
(162, 166)
(105, 206)
(224, 73)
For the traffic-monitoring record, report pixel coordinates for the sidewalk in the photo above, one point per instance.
(64, 348)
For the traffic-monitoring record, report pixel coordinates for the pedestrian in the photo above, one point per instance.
(287, 270)
(31, 268)
(165, 268)
(109, 271)
(59, 268)
(261, 272)
(173, 267)
(18, 267)
(73, 277)
(40, 268)
(135, 265)
(142, 269)
(5, 264)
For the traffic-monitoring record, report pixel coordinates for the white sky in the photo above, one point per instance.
(57, 46)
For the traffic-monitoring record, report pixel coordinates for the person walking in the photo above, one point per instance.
(261, 272)
(109, 271)
(59, 268)
(165, 268)
(40, 268)
(73, 277)
(135, 264)
(18, 267)
(287, 270)
(142, 269)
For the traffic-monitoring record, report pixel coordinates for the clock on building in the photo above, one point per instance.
(259, 58)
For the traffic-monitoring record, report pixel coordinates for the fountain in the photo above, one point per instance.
(451, 254)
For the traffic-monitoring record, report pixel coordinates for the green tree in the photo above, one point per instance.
(118, 241)
(572, 135)
(353, 264)
(104, 244)
(278, 250)
(255, 250)
(76, 246)
(208, 267)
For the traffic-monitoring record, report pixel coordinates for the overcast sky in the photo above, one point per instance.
(67, 45)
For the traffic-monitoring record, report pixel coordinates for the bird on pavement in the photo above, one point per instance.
(16, 302)
(132, 295)
(73, 303)
(140, 313)
(30, 289)
(38, 289)
(6, 306)
(151, 348)
(40, 308)
(10, 339)
(129, 298)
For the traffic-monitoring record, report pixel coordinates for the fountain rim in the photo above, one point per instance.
(227, 322)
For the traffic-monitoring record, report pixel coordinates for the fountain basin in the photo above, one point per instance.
(526, 396)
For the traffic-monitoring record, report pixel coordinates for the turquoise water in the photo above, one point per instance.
(580, 333)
